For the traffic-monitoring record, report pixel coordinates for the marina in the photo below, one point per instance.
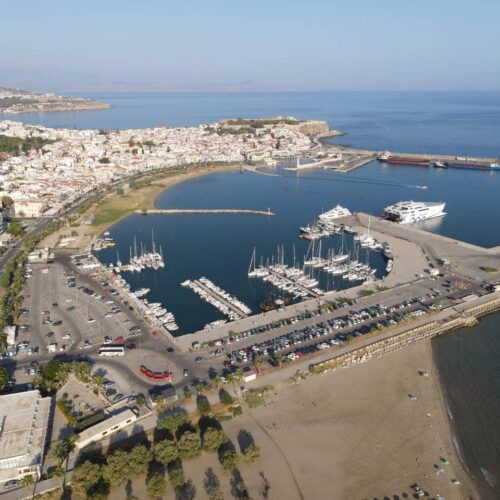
(217, 242)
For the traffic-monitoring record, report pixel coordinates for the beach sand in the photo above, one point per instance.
(355, 433)
(349, 434)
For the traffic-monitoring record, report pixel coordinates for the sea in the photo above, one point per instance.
(220, 246)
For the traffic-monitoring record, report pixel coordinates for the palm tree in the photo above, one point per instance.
(27, 481)
(62, 449)
(258, 364)
(97, 381)
(218, 381)
(60, 473)
(279, 359)
(238, 375)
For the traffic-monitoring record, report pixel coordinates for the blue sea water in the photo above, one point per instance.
(456, 123)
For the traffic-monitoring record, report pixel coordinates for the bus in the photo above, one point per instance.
(112, 350)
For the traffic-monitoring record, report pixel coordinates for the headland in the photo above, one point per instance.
(14, 101)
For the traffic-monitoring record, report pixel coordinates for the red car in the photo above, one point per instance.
(119, 340)
(155, 333)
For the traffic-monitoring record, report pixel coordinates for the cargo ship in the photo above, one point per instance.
(404, 160)
(471, 164)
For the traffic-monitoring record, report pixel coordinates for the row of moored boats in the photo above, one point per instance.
(226, 303)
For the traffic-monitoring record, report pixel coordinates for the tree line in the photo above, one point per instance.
(175, 439)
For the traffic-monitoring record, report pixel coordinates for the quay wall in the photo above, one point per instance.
(396, 342)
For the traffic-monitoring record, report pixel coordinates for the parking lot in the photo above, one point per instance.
(62, 311)
(309, 332)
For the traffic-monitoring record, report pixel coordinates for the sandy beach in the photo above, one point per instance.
(356, 433)
(349, 434)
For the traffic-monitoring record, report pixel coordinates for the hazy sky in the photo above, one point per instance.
(71, 45)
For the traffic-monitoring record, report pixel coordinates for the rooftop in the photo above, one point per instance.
(23, 423)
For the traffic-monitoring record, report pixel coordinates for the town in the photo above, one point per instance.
(86, 361)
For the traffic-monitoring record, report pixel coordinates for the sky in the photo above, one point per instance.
(195, 45)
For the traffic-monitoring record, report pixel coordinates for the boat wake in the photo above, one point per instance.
(491, 479)
(356, 180)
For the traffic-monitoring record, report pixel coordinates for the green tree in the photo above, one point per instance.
(189, 445)
(279, 359)
(259, 362)
(203, 404)
(176, 474)
(212, 485)
(104, 160)
(60, 473)
(156, 485)
(86, 478)
(173, 422)
(225, 397)
(252, 453)
(62, 449)
(229, 460)
(4, 378)
(82, 370)
(218, 381)
(122, 465)
(213, 439)
(15, 228)
(166, 452)
(27, 481)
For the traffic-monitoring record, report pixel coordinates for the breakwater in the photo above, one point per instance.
(433, 328)
(175, 211)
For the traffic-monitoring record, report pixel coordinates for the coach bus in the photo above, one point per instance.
(112, 350)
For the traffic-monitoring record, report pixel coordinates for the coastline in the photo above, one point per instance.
(172, 181)
(358, 418)
(119, 207)
(449, 432)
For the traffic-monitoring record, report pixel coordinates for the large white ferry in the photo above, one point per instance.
(334, 213)
(406, 212)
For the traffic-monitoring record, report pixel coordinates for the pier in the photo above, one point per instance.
(294, 283)
(220, 298)
(174, 211)
(343, 163)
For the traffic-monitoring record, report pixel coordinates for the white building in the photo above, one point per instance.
(23, 423)
(32, 209)
(105, 428)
